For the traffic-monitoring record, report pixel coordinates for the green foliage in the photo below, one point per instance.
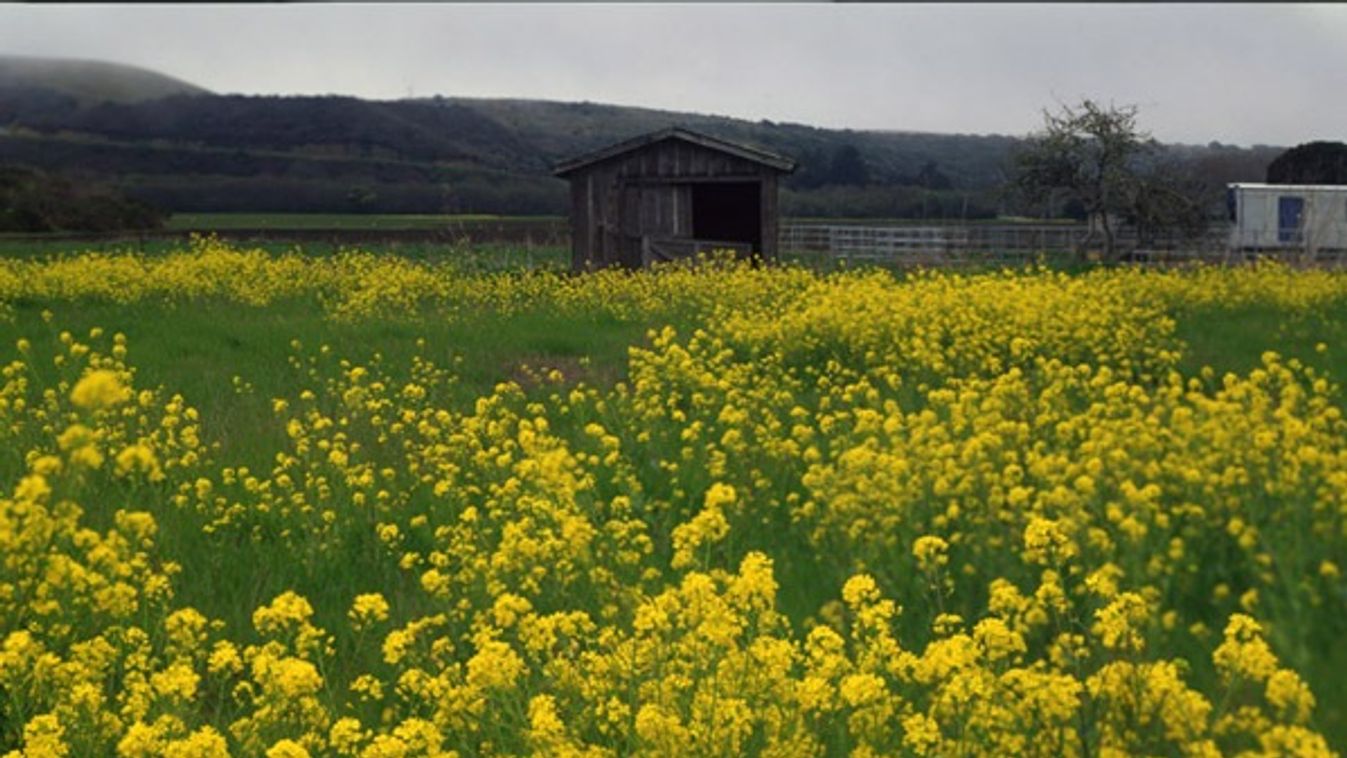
(890, 202)
(843, 167)
(206, 222)
(931, 177)
(1168, 200)
(31, 201)
(848, 167)
(1310, 163)
(467, 155)
(477, 257)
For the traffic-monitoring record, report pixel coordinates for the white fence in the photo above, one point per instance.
(981, 244)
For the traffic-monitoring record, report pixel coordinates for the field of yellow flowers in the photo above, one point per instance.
(746, 511)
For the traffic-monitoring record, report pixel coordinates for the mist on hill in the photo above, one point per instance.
(181, 148)
(90, 82)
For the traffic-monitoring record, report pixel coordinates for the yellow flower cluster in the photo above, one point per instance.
(848, 515)
(352, 285)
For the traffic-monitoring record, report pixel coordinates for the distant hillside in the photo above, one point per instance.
(317, 126)
(89, 82)
(190, 150)
(558, 129)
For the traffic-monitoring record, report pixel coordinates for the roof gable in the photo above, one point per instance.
(1288, 187)
(756, 155)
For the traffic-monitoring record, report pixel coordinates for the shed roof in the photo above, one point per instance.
(757, 155)
(1288, 187)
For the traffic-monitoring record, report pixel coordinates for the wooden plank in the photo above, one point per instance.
(682, 210)
(698, 160)
(579, 213)
(629, 211)
(648, 191)
(664, 159)
(610, 216)
(651, 203)
(594, 206)
(655, 200)
(767, 204)
(737, 178)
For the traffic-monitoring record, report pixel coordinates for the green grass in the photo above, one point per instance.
(475, 257)
(319, 221)
(198, 349)
(1234, 339)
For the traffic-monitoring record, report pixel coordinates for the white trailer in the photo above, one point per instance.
(1306, 217)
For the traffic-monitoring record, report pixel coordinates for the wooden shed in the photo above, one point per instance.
(671, 194)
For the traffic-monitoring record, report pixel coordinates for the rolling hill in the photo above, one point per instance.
(89, 82)
(558, 129)
(182, 148)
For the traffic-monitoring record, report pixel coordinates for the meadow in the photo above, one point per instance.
(269, 503)
(214, 222)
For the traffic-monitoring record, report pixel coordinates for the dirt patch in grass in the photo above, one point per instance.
(531, 371)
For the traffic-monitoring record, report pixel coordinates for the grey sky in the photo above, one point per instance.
(1272, 74)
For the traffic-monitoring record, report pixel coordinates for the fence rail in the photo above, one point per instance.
(983, 244)
(896, 245)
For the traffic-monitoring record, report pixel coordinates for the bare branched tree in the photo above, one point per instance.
(1091, 154)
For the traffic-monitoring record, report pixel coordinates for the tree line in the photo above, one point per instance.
(33, 201)
(1099, 161)
(342, 154)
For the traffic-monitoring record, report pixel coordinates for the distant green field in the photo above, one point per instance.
(404, 221)
(888, 221)
(377, 221)
(484, 256)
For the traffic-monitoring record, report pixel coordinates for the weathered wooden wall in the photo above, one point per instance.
(648, 192)
(771, 223)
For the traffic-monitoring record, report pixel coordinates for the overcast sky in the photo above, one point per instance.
(1243, 74)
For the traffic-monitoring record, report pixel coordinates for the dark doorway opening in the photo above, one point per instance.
(728, 212)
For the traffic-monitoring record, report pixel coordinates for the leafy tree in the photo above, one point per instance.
(847, 167)
(811, 169)
(888, 202)
(1226, 164)
(31, 201)
(1310, 163)
(931, 177)
(1169, 200)
(1090, 154)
